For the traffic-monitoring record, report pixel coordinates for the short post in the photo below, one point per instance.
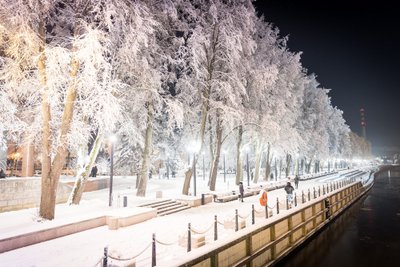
(295, 200)
(319, 191)
(202, 199)
(287, 203)
(266, 211)
(277, 205)
(252, 214)
(236, 220)
(302, 197)
(315, 193)
(125, 201)
(309, 194)
(153, 251)
(215, 228)
(189, 245)
(323, 189)
(105, 257)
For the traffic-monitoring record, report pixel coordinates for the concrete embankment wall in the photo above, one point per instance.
(263, 245)
(22, 193)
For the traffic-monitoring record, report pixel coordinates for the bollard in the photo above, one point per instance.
(189, 245)
(315, 193)
(125, 201)
(105, 257)
(266, 211)
(215, 228)
(309, 194)
(302, 197)
(252, 214)
(323, 189)
(236, 220)
(277, 205)
(295, 200)
(287, 203)
(319, 191)
(153, 251)
(202, 199)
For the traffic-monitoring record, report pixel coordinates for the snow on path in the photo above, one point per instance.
(86, 248)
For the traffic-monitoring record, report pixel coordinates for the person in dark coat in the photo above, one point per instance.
(241, 191)
(2, 173)
(93, 172)
(289, 191)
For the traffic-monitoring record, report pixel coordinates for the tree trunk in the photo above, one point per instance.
(288, 163)
(51, 170)
(267, 163)
(218, 145)
(239, 162)
(82, 176)
(144, 173)
(204, 116)
(257, 163)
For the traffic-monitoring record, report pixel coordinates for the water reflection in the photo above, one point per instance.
(367, 234)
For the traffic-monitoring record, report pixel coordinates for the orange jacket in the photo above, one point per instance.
(263, 198)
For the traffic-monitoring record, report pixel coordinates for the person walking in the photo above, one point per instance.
(241, 191)
(296, 181)
(93, 172)
(289, 193)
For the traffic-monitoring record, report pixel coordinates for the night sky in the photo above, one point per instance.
(353, 48)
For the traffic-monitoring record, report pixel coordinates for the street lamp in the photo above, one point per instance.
(112, 139)
(204, 168)
(246, 149)
(224, 166)
(195, 147)
(168, 166)
(248, 168)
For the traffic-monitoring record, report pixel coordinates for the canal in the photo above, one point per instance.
(367, 234)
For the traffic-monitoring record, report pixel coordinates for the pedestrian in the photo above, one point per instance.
(263, 197)
(2, 173)
(289, 193)
(93, 172)
(296, 181)
(241, 191)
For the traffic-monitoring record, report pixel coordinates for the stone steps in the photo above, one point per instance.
(167, 206)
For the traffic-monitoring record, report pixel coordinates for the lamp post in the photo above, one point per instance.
(194, 174)
(167, 166)
(113, 139)
(195, 147)
(204, 168)
(224, 168)
(248, 168)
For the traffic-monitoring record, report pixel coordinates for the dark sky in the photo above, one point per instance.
(353, 48)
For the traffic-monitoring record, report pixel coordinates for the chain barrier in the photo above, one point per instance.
(98, 262)
(166, 243)
(201, 232)
(244, 217)
(130, 258)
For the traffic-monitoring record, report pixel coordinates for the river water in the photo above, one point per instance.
(367, 234)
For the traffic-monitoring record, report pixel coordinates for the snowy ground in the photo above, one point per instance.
(86, 248)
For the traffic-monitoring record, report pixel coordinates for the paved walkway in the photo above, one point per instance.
(86, 248)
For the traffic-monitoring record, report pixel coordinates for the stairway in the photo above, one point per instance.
(167, 206)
